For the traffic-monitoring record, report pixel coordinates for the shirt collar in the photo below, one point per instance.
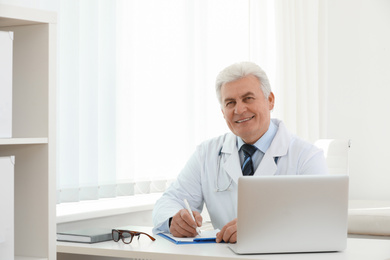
(265, 141)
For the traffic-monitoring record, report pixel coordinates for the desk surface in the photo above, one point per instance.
(144, 248)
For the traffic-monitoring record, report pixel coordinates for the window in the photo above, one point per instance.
(136, 86)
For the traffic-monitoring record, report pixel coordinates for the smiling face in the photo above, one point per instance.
(245, 108)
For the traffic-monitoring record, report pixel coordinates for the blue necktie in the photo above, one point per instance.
(247, 166)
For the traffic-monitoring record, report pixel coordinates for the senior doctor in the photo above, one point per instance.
(210, 177)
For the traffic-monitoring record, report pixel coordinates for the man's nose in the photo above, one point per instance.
(240, 108)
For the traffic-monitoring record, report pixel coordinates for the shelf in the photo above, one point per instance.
(28, 258)
(12, 141)
(16, 16)
(33, 129)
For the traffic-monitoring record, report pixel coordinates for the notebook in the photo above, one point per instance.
(88, 235)
(291, 213)
(207, 236)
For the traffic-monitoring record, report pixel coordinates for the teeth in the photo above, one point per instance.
(244, 120)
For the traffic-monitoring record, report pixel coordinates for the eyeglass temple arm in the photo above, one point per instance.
(152, 238)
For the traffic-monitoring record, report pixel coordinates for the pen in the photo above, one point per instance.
(192, 215)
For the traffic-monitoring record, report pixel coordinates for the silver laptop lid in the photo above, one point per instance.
(291, 213)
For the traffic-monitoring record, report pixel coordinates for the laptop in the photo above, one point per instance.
(291, 214)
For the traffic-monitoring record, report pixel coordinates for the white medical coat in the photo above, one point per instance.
(197, 182)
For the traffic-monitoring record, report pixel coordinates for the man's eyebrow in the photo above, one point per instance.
(249, 93)
(228, 99)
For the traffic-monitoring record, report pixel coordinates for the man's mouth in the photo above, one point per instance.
(245, 119)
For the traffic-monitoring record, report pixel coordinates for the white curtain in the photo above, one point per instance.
(301, 52)
(136, 83)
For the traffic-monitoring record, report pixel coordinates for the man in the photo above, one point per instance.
(211, 175)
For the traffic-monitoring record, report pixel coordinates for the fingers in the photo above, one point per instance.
(183, 225)
(228, 233)
(198, 218)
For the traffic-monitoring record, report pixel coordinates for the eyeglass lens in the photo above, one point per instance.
(116, 235)
(127, 237)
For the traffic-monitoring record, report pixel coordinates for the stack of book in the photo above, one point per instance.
(89, 235)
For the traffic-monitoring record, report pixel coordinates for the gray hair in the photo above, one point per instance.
(239, 70)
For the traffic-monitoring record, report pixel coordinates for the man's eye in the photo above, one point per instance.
(248, 98)
(230, 104)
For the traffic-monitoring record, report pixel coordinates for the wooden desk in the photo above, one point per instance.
(162, 249)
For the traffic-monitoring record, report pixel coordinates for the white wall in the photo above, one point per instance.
(359, 91)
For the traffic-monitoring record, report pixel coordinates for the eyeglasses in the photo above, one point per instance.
(127, 235)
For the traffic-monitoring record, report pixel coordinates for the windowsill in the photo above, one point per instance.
(75, 211)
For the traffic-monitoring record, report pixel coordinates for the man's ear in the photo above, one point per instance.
(271, 100)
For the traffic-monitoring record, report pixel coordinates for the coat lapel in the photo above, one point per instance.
(231, 160)
(278, 148)
(267, 165)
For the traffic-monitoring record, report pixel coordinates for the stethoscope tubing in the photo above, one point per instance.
(217, 188)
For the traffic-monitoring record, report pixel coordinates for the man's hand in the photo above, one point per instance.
(182, 224)
(228, 233)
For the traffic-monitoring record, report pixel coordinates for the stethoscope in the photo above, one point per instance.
(217, 188)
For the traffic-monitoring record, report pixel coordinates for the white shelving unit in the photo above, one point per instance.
(33, 129)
